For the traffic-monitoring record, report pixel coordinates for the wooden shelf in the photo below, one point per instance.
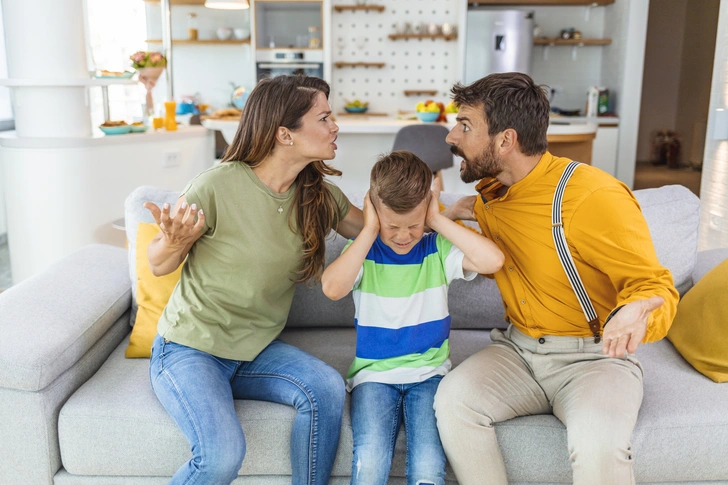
(359, 64)
(205, 41)
(420, 92)
(341, 8)
(543, 2)
(573, 42)
(423, 36)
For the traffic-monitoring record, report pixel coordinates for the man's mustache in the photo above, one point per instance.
(456, 151)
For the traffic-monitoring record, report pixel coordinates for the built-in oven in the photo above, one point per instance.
(274, 62)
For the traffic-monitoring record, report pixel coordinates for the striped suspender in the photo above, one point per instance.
(567, 262)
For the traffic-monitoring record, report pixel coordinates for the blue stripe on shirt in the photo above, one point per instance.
(380, 253)
(385, 343)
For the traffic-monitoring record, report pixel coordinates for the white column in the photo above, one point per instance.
(46, 45)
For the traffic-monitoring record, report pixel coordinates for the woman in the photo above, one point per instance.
(249, 228)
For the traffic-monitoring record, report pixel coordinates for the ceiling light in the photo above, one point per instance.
(227, 4)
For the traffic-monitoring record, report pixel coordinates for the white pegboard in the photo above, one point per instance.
(411, 64)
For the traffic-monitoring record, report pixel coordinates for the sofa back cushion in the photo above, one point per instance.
(672, 213)
(134, 213)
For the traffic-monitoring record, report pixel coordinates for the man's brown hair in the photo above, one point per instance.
(400, 180)
(510, 100)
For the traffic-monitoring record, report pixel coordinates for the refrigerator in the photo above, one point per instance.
(497, 41)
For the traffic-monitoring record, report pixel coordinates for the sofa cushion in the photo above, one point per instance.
(114, 424)
(43, 313)
(672, 213)
(152, 294)
(134, 213)
(700, 328)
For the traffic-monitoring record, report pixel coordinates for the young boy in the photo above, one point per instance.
(400, 277)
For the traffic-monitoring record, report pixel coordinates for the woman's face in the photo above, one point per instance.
(315, 139)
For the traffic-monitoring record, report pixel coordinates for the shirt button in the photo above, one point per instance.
(510, 268)
(523, 302)
(487, 207)
(542, 340)
(497, 238)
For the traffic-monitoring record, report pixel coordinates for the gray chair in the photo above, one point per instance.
(427, 141)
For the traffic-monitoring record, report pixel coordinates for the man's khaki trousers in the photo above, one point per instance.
(595, 396)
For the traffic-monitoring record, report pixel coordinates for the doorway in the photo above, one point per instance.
(679, 50)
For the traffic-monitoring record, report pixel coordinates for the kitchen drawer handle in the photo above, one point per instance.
(283, 65)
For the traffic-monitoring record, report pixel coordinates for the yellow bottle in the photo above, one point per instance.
(170, 122)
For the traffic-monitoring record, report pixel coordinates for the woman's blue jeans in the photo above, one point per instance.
(197, 390)
(377, 412)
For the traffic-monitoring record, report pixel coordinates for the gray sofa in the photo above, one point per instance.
(73, 410)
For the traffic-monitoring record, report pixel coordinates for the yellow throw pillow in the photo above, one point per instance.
(152, 295)
(700, 329)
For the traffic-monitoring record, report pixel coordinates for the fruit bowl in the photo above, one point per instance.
(115, 130)
(428, 116)
(356, 109)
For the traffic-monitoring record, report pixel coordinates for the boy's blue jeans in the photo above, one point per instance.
(377, 411)
(197, 390)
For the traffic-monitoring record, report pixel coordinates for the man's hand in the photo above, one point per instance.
(461, 210)
(626, 330)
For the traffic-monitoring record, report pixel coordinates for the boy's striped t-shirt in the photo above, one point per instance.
(402, 319)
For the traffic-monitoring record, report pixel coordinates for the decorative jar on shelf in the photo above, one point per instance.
(192, 31)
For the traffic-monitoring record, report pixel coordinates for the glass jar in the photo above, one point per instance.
(192, 31)
(314, 39)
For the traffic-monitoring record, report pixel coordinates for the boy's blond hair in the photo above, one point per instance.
(400, 180)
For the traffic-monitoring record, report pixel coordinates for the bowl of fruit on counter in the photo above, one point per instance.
(451, 112)
(430, 111)
(356, 107)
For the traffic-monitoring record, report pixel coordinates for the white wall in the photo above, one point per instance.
(625, 22)
(410, 64)
(661, 84)
(714, 183)
(695, 76)
(3, 217)
(555, 67)
(198, 68)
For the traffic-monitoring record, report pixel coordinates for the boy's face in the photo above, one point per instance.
(401, 232)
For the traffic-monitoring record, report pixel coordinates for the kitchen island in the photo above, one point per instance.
(362, 139)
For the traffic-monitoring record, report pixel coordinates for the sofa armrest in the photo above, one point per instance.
(51, 320)
(707, 260)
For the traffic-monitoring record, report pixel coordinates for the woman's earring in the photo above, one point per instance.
(291, 143)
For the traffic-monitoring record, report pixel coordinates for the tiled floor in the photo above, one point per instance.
(5, 278)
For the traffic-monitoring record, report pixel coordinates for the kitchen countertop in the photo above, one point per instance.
(9, 139)
(390, 126)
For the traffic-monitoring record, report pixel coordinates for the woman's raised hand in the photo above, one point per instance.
(179, 229)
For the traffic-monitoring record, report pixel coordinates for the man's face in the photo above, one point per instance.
(469, 139)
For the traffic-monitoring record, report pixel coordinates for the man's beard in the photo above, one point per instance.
(485, 165)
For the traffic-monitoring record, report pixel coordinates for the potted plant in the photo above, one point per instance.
(150, 66)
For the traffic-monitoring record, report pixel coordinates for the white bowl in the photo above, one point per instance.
(241, 33)
(224, 33)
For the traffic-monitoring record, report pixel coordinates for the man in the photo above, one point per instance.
(563, 354)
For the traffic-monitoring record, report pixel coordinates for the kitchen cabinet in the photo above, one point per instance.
(570, 3)
(604, 149)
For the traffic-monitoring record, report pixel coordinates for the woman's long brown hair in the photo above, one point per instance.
(282, 101)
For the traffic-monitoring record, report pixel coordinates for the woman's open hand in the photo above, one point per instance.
(179, 229)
